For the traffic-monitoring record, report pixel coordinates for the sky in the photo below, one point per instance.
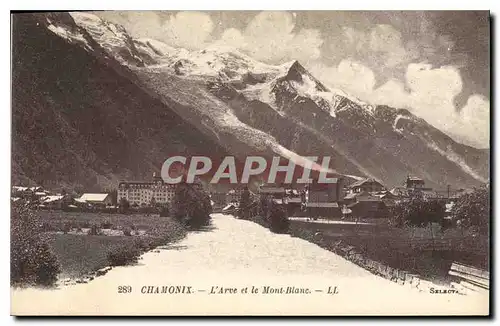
(433, 63)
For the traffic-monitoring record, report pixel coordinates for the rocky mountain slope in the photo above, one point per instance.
(103, 106)
(77, 120)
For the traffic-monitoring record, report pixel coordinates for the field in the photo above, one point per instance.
(80, 253)
(421, 251)
(57, 219)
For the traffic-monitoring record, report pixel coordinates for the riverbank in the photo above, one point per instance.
(240, 254)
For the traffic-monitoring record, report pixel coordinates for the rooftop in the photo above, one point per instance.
(335, 205)
(93, 197)
(350, 196)
(271, 190)
(21, 188)
(50, 199)
(362, 182)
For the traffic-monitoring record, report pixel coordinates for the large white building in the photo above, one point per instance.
(142, 193)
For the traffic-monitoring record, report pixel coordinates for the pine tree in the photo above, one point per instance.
(244, 204)
(124, 205)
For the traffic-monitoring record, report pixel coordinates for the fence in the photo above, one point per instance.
(471, 279)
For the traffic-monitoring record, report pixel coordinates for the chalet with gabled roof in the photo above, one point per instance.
(369, 185)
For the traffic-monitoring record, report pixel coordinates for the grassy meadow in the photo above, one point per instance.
(80, 253)
(423, 251)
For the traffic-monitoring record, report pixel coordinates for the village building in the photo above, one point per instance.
(350, 198)
(367, 206)
(96, 199)
(51, 202)
(18, 191)
(16, 200)
(28, 193)
(414, 183)
(447, 194)
(325, 192)
(387, 197)
(369, 185)
(273, 190)
(40, 194)
(272, 193)
(234, 195)
(294, 199)
(322, 199)
(144, 193)
(283, 194)
(322, 209)
(400, 192)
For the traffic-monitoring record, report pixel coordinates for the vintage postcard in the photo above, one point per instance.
(250, 163)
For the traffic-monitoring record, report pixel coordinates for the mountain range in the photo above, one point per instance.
(91, 105)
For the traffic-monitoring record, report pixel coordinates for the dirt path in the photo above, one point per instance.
(239, 254)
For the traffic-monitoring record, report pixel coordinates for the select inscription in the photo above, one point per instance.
(218, 290)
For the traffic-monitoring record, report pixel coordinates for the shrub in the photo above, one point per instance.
(32, 261)
(278, 220)
(46, 265)
(473, 210)
(191, 205)
(244, 207)
(264, 205)
(122, 256)
(127, 232)
(124, 205)
(417, 212)
(143, 244)
(94, 230)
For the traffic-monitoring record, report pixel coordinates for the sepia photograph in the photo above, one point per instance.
(243, 163)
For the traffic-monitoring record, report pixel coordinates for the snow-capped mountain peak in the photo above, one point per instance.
(244, 103)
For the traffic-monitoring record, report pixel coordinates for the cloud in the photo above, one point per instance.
(306, 45)
(384, 68)
(433, 86)
(427, 92)
(272, 23)
(350, 75)
(382, 44)
(270, 37)
(137, 23)
(431, 96)
(188, 29)
(233, 37)
(476, 118)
